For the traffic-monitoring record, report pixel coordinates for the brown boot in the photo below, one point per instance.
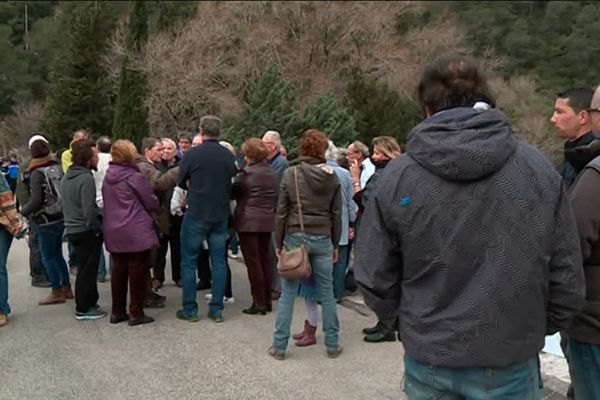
(68, 292)
(309, 336)
(56, 297)
(300, 335)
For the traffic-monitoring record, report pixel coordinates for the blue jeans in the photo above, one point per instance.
(50, 238)
(193, 233)
(521, 381)
(584, 362)
(339, 272)
(5, 242)
(320, 252)
(102, 264)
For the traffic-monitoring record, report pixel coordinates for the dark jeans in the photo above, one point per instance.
(132, 267)
(339, 272)
(518, 381)
(73, 261)
(88, 246)
(255, 248)
(585, 369)
(193, 233)
(36, 267)
(204, 274)
(50, 237)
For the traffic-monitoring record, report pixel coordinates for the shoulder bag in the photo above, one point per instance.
(295, 264)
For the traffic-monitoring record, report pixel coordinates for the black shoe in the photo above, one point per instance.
(41, 282)
(374, 329)
(156, 297)
(115, 319)
(142, 320)
(386, 335)
(148, 303)
(203, 285)
(254, 309)
(269, 307)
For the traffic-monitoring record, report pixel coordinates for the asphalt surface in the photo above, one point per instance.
(45, 353)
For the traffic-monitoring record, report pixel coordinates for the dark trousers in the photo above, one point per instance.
(172, 240)
(36, 268)
(255, 248)
(87, 246)
(132, 267)
(204, 272)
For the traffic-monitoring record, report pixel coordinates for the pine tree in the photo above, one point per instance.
(79, 96)
(378, 110)
(325, 114)
(131, 113)
(270, 103)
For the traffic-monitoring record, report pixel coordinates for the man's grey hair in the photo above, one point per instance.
(274, 136)
(170, 141)
(332, 152)
(104, 144)
(361, 148)
(210, 125)
(596, 98)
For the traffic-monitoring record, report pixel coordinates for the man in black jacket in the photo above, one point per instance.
(83, 225)
(572, 122)
(584, 333)
(469, 238)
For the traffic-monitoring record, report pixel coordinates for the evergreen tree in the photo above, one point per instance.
(131, 113)
(79, 96)
(270, 103)
(378, 110)
(325, 114)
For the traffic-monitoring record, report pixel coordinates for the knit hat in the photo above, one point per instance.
(36, 137)
(39, 148)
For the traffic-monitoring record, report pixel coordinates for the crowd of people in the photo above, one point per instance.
(470, 247)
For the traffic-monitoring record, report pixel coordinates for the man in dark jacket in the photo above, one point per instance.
(161, 183)
(279, 163)
(469, 238)
(83, 226)
(22, 192)
(206, 173)
(584, 333)
(573, 123)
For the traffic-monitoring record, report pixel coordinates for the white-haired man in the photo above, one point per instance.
(279, 163)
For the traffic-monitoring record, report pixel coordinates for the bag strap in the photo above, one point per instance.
(298, 200)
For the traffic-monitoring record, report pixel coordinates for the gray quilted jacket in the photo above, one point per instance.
(471, 241)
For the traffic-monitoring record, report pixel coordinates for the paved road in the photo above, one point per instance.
(46, 354)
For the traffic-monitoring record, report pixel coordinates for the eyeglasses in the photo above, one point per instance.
(592, 110)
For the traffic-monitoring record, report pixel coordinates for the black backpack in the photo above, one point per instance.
(52, 200)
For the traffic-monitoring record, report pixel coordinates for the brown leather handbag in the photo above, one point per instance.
(294, 264)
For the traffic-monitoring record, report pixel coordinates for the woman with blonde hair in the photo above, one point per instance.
(129, 232)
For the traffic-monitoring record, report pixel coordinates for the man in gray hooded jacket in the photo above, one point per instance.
(471, 241)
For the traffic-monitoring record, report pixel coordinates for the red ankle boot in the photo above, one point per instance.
(309, 336)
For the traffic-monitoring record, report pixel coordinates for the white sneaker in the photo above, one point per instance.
(229, 300)
(234, 256)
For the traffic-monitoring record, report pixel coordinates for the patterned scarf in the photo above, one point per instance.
(9, 217)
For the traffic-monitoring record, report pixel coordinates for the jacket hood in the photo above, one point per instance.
(117, 172)
(318, 174)
(75, 172)
(463, 144)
